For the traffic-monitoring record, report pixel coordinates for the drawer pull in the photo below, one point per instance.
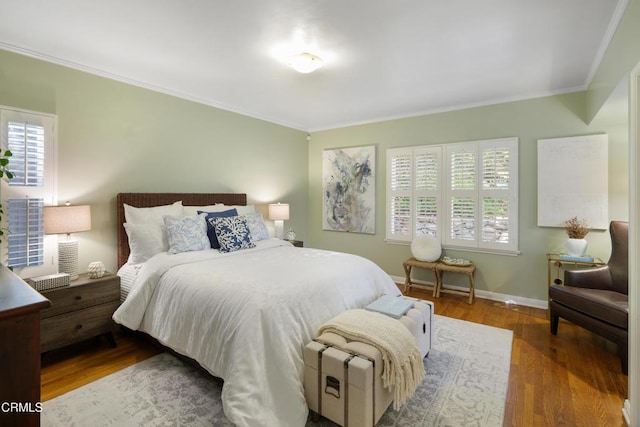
(78, 297)
(78, 327)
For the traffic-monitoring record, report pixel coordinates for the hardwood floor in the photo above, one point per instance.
(572, 379)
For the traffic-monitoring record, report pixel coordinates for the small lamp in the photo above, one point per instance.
(67, 219)
(278, 212)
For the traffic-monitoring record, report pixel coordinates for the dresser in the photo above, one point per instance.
(20, 307)
(80, 311)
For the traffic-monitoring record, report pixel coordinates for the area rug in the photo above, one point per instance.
(467, 373)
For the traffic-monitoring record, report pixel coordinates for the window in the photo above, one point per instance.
(30, 138)
(465, 194)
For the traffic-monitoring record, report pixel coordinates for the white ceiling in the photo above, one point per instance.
(383, 59)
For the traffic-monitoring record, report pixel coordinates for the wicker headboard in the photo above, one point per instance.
(146, 200)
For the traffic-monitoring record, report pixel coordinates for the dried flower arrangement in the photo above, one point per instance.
(576, 229)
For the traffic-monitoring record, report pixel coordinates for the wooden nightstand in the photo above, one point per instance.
(79, 311)
(296, 243)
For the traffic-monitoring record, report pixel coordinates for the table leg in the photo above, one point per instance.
(407, 278)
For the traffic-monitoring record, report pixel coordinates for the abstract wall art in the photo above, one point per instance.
(349, 189)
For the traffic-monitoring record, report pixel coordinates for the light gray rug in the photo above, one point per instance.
(467, 373)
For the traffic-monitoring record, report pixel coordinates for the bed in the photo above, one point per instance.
(243, 315)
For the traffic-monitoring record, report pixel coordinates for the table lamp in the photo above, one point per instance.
(278, 212)
(67, 219)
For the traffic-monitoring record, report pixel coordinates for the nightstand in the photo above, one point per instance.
(297, 243)
(80, 311)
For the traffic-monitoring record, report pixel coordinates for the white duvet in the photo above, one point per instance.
(246, 317)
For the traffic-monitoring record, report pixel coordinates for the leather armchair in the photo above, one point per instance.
(597, 298)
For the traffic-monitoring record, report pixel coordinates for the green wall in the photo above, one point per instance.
(522, 276)
(623, 53)
(114, 137)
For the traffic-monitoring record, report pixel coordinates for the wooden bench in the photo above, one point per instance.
(438, 268)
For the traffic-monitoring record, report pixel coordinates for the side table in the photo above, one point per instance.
(79, 311)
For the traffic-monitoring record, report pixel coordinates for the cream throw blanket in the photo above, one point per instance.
(402, 363)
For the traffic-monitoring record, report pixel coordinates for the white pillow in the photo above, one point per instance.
(187, 233)
(154, 214)
(145, 241)
(426, 248)
(241, 209)
(193, 210)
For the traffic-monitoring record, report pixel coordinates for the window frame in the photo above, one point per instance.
(47, 192)
(478, 195)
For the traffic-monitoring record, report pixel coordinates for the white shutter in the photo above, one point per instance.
(461, 194)
(26, 141)
(465, 194)
(427, 190)
(26, 232)
(399, 184)
(30, 138)
(499, 194)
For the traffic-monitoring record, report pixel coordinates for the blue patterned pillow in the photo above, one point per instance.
(211, 233)
(186, 233)
(256, 225)
(232, 233)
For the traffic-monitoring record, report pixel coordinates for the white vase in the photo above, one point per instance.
(576, 247)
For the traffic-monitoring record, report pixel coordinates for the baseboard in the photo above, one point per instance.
(626, 412)
(492, 296)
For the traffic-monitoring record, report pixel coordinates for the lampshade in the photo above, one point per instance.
(305, 62)
(278, 211)
(67, 219)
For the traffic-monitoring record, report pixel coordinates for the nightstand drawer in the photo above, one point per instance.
(58, 331)
(72, 298)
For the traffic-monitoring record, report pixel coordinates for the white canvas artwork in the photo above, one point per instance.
(349, 190)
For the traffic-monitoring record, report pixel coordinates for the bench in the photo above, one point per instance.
(438, 268)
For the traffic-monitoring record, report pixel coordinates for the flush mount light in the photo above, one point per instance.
(305, 62)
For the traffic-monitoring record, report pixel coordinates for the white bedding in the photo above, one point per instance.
(245, 316)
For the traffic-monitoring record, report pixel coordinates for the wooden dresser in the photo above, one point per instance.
(79, 311)
(20, 307)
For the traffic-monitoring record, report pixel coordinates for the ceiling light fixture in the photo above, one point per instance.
(305, 62)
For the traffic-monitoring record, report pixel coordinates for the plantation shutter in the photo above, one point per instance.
(26, 143)
(399, 197)
(427, 191)
(26, 225)
(462, 195)
(465, 194)
(498, 193)
(30, 138)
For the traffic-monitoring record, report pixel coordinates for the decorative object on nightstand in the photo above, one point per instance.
(67, 219)
(291, 235)
(96, 270)
(50, 281)
(80, 311)
(278, 213)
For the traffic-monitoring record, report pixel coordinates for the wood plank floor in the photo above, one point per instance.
(572, 379)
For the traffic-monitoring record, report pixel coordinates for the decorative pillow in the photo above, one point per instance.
(193, 210)
(155, 214)
(186, 233)
(426, 248)
(233, 233)
(145, 241)
(256, 225)
(211, 233)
